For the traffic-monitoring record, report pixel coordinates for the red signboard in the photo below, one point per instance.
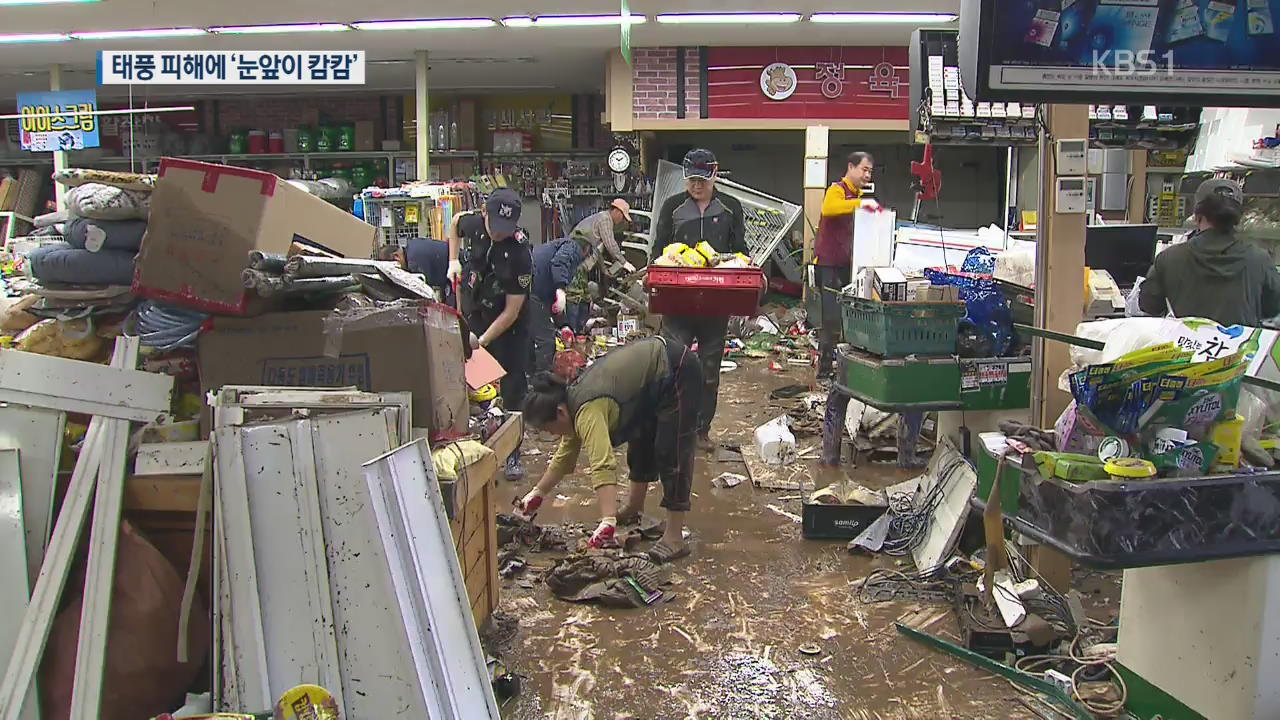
(818, 83)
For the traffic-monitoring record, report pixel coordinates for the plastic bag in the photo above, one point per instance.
(73, 339)
(979, 261)
(987, 309)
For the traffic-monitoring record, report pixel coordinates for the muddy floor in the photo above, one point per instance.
(750, 597)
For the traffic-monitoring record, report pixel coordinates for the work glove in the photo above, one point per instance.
(557, 305)
(475, 342)
(628, 267)
(455, 270)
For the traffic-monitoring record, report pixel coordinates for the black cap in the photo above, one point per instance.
(700, 163)
(503, 211)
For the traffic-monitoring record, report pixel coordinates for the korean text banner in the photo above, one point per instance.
(239, 67)
(54, 121)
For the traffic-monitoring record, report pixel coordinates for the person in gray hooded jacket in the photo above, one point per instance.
(1214, 274)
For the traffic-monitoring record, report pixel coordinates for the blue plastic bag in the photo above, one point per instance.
(985, 305)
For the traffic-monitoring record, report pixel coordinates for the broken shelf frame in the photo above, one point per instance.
(297, 412)
(101, 462)
(419, 548)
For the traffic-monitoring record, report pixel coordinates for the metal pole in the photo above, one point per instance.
(422, 115)
(59, 156)
(1041, 270)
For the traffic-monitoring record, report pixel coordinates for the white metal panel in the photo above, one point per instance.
(37, 432)
(85, 387)
(449, 664)
(239, 587)
(377, 679)
(176, 458)
(104, 536)
(13, 561)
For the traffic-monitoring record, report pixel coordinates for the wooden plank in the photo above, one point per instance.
(506, 438)
(177, 458)
(175, 493)
(472, 517)
(83, 387)
(475, 580)
(491, 541)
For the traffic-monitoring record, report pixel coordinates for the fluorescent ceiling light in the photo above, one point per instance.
(744, 17)
(881, 17)
(42, 2)
(34, 38)
(131, 34)
(429, 24)
(270, 29)
(568, 20)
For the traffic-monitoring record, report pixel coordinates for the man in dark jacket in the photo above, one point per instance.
(702, 213)
(1214, 274)
(554, 265)
(426, 257)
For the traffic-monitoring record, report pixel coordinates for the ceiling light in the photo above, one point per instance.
(881, 17)
(34, 38)
(568, 20)
(741, 18)
(131, 34)
(429, 24)
(270, 29)
(42, 2)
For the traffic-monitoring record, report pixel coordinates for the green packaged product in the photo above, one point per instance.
(1186, 460)
(306, 140)
(1072, 466)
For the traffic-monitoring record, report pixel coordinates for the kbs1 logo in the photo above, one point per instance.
(1128, 63)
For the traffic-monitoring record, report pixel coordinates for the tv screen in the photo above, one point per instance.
(1222, 52)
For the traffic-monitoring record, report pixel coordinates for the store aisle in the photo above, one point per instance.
(751, 596)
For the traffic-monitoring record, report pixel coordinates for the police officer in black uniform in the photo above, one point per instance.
(492, 256)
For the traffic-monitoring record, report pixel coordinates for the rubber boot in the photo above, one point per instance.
(833, 427)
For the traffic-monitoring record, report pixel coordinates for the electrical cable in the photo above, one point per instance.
(165, 327)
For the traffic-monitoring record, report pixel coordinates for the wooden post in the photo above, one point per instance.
(815, 183)
(1059, 268)
(422, 115)
(1138, 186)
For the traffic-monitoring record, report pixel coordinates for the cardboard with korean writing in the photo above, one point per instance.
(418, 351)
(206, 218)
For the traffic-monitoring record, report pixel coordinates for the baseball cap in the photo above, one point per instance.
(700, 163)
(1229, 189)
(503, 210)
(623, 207)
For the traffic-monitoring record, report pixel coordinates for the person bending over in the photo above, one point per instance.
(645, 394)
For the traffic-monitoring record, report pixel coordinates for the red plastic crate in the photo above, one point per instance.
(705, 291)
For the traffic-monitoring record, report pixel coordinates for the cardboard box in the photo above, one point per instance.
(918, 290)
(414, 348)
(206, 218)
(864, 281)
(889, 285)
(368, 138)
(942, 294)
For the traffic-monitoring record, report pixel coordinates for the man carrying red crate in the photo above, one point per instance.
(701, 214)
(833, 250)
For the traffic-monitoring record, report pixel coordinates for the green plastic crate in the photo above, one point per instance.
(901, 329)
(893, 381)
(1002, 383)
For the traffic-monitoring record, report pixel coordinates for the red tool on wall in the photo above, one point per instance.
(928, 180)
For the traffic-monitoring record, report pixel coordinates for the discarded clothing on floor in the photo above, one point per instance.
(626, 582)
(106, 202)
(537, 538)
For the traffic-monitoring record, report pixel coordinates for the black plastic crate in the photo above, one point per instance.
(837, 522)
